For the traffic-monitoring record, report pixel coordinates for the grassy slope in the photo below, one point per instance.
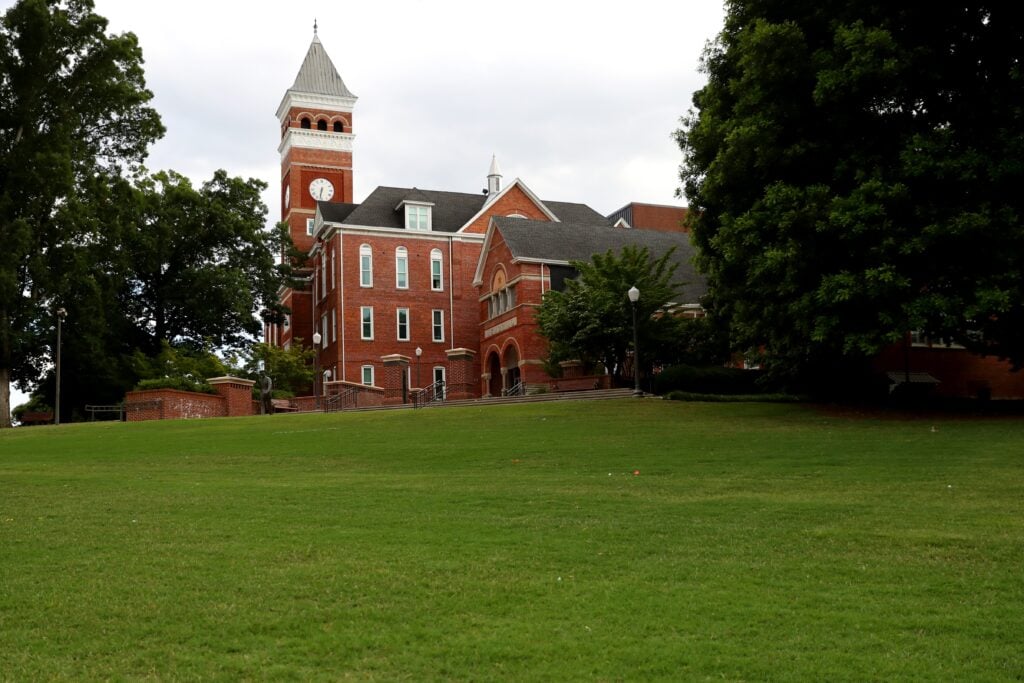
(757, 542)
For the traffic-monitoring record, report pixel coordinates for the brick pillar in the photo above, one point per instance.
(571, 369)
(396, 389)
(461, 371)
(236, 392)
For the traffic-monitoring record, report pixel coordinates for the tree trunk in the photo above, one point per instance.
(5, 397)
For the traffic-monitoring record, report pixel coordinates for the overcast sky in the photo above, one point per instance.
(577, 99)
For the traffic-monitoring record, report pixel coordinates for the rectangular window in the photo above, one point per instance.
(334, 325)
(323, 274)
(310, 226)
(366, 313)
(403, 324)
(323, 336)
(333, 283)
(365, 266)
(436, 281)
(368, 375)
(417, 217)
(438, 325)
(402, 268)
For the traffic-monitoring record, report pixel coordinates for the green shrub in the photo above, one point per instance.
(708, 380)
(179, 383)
(731, 398)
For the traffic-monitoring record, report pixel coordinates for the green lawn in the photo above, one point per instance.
(758, 541)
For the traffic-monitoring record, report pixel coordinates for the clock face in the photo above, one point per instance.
(321, 189)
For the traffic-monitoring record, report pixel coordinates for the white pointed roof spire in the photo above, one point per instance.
(494, 177)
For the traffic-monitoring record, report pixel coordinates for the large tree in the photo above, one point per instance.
(854, 171)
(592, 319)
(200, 261)
(167, 268)
(73, 109)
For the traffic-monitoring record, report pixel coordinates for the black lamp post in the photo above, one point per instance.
(634, 296)
(61, 314)
(316, 368)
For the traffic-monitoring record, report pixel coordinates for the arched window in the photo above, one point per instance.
(338, 128)
(401, 268)
(321, 125)
(305, 123)
(365, 266)
(436, 270)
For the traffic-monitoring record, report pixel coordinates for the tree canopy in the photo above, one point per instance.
(73, 111)
(591, 320)
(853, 172)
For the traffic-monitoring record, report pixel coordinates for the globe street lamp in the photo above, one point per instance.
(61, 314)
(634, 296)
(419, 353)
(316, 368)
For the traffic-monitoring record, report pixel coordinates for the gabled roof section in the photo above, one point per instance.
(415, 196)
(559, 243)
(335, 212)
(492, 199)
(382, 209)
(317, 75)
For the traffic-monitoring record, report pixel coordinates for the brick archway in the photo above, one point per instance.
(493, 367)
(510, 364)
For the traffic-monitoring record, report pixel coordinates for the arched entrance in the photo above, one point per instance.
(494, 369)
(511, 362)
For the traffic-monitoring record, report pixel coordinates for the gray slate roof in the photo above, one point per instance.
(334, 212)
(317, 74)
(451, 210)
(579, 241)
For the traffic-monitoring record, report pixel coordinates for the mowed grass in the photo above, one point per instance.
(757, 542)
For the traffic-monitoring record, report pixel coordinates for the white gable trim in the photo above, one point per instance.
(527, 191)
(478, 276)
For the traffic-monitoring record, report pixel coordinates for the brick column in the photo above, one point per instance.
(461, 373)
(396, 390)
(237, 394)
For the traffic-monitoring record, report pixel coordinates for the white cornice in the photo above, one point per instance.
(301, 100)
(315, 139)
(329, 229)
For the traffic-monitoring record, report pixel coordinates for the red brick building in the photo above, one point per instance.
(415, 286)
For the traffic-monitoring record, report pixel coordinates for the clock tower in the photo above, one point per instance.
(316, 165)
(316, 142)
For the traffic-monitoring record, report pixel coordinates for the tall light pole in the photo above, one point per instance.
(61, 314)
(316, 368)
(634, 296)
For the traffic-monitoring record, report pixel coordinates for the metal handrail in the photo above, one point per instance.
(339, 401)
(435, 393)
(517, 389)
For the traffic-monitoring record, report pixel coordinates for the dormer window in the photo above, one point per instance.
(417, 217)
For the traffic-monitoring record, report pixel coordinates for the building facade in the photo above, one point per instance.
(414, 287)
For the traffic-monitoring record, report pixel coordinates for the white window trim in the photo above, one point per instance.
(323, 274)
(362, 375)
(362, 322)
(437, 257)
(398, 324)
(323, 332)
(365, 274)
(401, 257)
(444, 378)
(334, 325)
(310, 226)
(427, 208)
(436, 326)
